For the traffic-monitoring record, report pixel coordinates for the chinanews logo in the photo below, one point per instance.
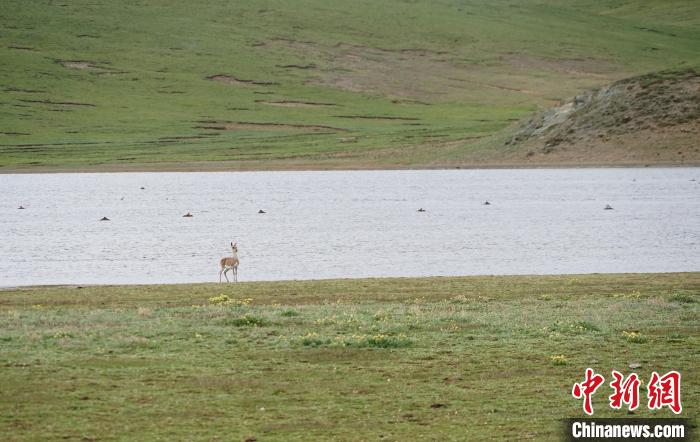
(663, 391)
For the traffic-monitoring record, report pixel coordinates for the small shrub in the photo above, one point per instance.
(459, 299)
(337, 321)
(570, 328)
(631, 295)
(682, 298)
(634, 337)
(221, 299)
(375, 341)
(289, 313)
(241, 302)
(332, 320)
(462, 299)
(60, 334)
(558, 359)
(383, 341)
(676, 337)
(381, 316)
(245, 321)
(585, 326)
(313, 340)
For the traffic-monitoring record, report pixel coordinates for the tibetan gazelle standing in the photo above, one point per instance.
(230, 263)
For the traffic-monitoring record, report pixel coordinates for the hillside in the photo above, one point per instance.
(312, 84)
(653, 118)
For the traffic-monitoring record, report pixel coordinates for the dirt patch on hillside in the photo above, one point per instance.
(372, 117)
(417, 75)
(590, 67)
(21, 48)
(292, 103)
(655, 116)
(59, 103)
(297, 66)
(407, 73)
(492, 86)
(80, 65)
(95, 67)
(230, 79)
(255, 126)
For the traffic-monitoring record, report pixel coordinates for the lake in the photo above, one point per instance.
(346, 224)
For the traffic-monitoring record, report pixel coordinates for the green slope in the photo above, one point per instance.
(307, 83)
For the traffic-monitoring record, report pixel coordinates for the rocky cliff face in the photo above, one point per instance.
(651, 117)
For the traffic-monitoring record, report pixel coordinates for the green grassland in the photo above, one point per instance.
(105, 85)
(469, 358)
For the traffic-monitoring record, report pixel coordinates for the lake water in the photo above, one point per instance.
(346, 224)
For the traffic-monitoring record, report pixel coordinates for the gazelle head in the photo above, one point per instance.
(234, 247)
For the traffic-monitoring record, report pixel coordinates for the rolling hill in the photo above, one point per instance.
(652, 118)
(97, 85)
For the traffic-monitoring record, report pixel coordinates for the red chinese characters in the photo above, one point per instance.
(587, 388)
(662, 391)
(626, 392)
(665, 391)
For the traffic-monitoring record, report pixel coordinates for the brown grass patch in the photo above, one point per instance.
(58, 103)
(91, 66)
(408, 73)
(230, 79)
(378, 117)
(591, 67)
(250, 125)
(292, 103)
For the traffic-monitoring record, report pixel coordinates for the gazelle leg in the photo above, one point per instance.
(225, 274)
(235, 274)
(220, 272)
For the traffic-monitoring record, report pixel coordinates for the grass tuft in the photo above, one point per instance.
(682, 297)
(244, 321)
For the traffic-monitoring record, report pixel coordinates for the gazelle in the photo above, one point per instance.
(230, 263)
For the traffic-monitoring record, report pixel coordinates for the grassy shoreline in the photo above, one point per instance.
(325, 167)
(446, 358)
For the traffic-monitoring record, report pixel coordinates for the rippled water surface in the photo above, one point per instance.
(346, 224)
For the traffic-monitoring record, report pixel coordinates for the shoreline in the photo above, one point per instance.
(326, 281)
(219, 167)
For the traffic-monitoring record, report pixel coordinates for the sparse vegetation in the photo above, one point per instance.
(470, 358)
(245, 321)
(634, 337)
(683, 297)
